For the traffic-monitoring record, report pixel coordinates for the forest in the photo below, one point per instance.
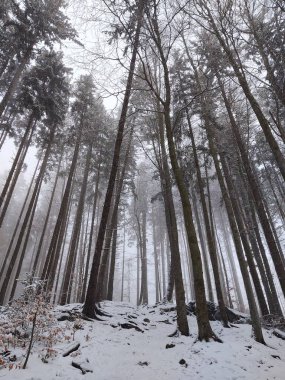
(142, 169)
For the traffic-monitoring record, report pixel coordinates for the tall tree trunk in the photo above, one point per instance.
(236, 282)
(144, 278)
(276, 303)
(123, 263)
(76, 230)
(82, 256)
(23, 250)
(256, 325)
(204, 328)
(155, 256)
(209, 232)
(89, 306)
(171, 224)
(275, 254)
(51, 262)
(28, 217)
(244, 237)
(91, 233)
(39, 248)
(113, 262)
(251, 227)
(228, 290)
(206, 266)
(58, 274)
(113, 217)
(13, 238)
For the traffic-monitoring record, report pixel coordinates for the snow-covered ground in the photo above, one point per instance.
(115, 353)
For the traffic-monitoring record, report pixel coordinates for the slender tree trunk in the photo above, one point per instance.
(228, 290)
(123, 262)
(59, 275)
(14, 172)
(249, 222)
(156, 270)
(171, 224)
(190, 266)
(236, 282)
(49, 269)
(86, 272)
(13, 238)
(14, 83)
(39, 248)
(23, 251)
(138, 274)
(3, 137)
(244, 238)
(113, 262)
(28, 217)
(144, 278)
(113, 217)
(76, 230)
(276, 303)
(4, 66)
(209, 232)
(206, 266)
(83, 256)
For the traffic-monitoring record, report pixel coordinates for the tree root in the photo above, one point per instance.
(174, 334)
(212, 337)
(100, 312)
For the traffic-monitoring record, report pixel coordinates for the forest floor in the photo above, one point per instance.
(134, 344)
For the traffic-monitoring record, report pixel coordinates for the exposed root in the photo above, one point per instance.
(212, 337)
(216, 339)
(92, 317)
(100, 312)
(174, 334)
(279, 334)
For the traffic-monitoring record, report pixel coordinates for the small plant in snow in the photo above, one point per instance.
(27, 320)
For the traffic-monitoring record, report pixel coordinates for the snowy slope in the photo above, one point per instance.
(115, 353)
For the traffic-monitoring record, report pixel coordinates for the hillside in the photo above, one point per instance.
(111, 351)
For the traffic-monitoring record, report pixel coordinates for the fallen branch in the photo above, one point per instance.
(82, 366)
(280, 334)
(71, 348)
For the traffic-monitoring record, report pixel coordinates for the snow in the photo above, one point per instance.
(114, 353)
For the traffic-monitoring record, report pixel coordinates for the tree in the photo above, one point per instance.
(27, 24)
(89, 307)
